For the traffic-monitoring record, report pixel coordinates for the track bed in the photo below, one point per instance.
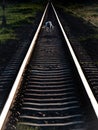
(52, 95)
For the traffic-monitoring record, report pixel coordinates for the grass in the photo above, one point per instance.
(21, 12)
(24, 127)
(92, 36)
(6, 34)
(89, 12)
(16, 15)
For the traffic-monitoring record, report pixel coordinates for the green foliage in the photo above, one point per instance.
(17, 14)
(24, 127)
(21, 12)
(6, 34)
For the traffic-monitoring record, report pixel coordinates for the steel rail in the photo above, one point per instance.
(49, 118)
(79, 69)
(23, 66)
(54, 124)
(50, 104)
(18, 79)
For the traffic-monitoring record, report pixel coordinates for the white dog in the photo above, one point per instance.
(48, 26)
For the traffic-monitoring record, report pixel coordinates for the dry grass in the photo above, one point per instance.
(88, 12)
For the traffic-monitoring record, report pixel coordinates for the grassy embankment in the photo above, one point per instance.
(22, 127)
(16, 14)
(89, 12)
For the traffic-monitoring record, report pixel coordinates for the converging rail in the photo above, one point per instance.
(51, 90)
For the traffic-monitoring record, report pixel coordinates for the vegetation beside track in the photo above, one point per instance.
(86, 11)
(89, 12)
(22, 20)
(82, 29)
(17, 15)
(23, 127)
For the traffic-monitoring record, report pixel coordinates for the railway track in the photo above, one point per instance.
(8, 76)
(50, 91)
(87, 63)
